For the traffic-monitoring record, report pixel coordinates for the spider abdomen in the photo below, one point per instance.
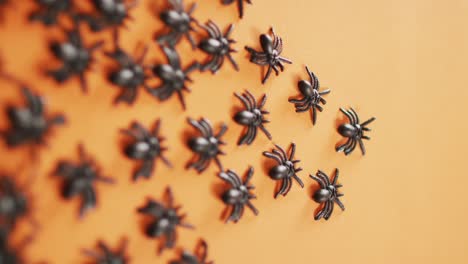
(232, 196)
(139, 150)
(211, 45)
(279, 172)
(178, 21)
(348, 130)
(245, 117)
(305, 88)
(267, 43)
(203, 146)
(322, 195)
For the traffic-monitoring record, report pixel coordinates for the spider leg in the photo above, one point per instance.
(152, 208)
(293, 151)
(327, 91)
(265, 131)
(322, 211)
(319, 180)
(83, 83)
(361, 146)
(280, 65)
(181, 99)
(209, 30)
(285, 60)
(57, 120)
(218, 163)
(339, 203)
(142, 56)
(276, 69)
(228, 32)
(233, 62)
(199, 127)
(330, 210)
(351, 148)
(298, 180)
(368, 122)
(365, 137)
(126, 95)
(231, 179)
(206, 124)
(283, 158)
(88, 201)
(252, 207)
(244, 101)
(169, 197)
(254, 135)
(144, 170)
(262, 102)
(267, 75)
(283, 153)
(335, 178)
(162, 92)
(324, 177)
(245, 137)
(320, 108)
(314, 115)
(272, 156)
(191, 40)
(240, 7)
(249, 176)
(241, 213)
(215, 28)
(192, 8)
(210, 63)
(303, 107)
(353, 113)
(218, 65)
(221, 131)
(169, 240)
(289, 182)
(298, 101)
(251, 99)
(234, 216)
(344, 145)
(165, 160)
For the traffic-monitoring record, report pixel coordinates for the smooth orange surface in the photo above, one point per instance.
(401, 61)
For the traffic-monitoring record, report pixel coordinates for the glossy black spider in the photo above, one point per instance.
(164, 220)
(206, 147)
(178, 22)
(327, 194)
(13, 203)
(285, 170)
(146, 147)
(76, 58)
(129, 75)
(48, 11)
(79, 179)
(217, 46)
(270, 55)
(29, 124)
(354, 131)
(109, 13)
(312, 97)
(172, 76)
(252, 117)
(240, 5)
(104, 255)
(199, 257)
(239, 194)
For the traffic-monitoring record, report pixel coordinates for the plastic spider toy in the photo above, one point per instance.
(79, 179)
(285, 171)
(252, 117)
(217, 46)
(179, 23)
(172, 76)
(29, 124)
(238, 195)
(164, 220)
(129, 75)
(13, 203)
(104, 255)
(327, 194)
(145, 147)
(354, 131)
(199, 257)
(76, 58)
(270, 54)
(48, 11)
(206, 147)
(312, 97)
(240, 5)
(109, 13)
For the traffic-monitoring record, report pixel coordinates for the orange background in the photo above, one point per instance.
(401, 61)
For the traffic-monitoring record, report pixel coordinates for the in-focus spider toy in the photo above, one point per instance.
(270, 54)
(354, 131)
(327, 194)
(164, 220)
(206, 147)
(312, 97)
(285, 170)
(217, 46)
(199, 257)
(109, 13)
(240, 5)
(129, 75)
(48, 11)
(30, 124)
(178, 22)
(13, 203)
(79, 179)
(172, 76)
(104, 255)
(76, 58)
(239, 194)
(145, 147)
(252, 117)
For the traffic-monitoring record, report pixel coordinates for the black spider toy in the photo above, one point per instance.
(48, 11)
(252, 117)
(172, 76)
(104, 255)
(240, 5)
(110, 13)
(164, 220)
(239, 194)
(327, 194)
(206, 147)
(29, 124)
(129, 75)
(312, 97)
(354, 131)
(270, 54)
(13, 203)
(145, 147)
(285, 170)
(199, 257)
(217, 46)
(76, 58)
(179, 23)
(79, 179)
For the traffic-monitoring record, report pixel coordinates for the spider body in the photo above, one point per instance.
(312, 97)
(285, 171)
(164, 219)
(30, 124)
(172, 76)
(327, 195)
(270, 55)
(217, 46)
(79, 179)
(48, 11)
(146, 147)
(238, 195)
(240, 5)
(199, 257)
(104, 255)
(178, 22)
(354, 131)
(13, 203)
(76, 58)
(110, 13)
(252, 117)
(206, 146)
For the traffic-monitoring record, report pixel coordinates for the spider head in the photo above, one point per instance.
(170, 75)
(178, 21)
(350, 130)
(145, 149)
(75, 57)
(204, 146)
(128, 77)
(282, 171)
(238, 195)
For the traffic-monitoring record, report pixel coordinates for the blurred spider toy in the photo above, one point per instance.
(327, 195)
(354, 131)
(164, 220)
(13, 203)
(240, 5)
(49, 11)
(199, 257)
(178, 22)
(270, 54)
(109, 13)
(104, 255)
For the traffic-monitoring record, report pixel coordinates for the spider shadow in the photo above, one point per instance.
(218, 189)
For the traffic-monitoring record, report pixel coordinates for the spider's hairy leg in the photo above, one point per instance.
(274, 156)
(264, 130)
(361, 146)
(322, 211)
(344, 146)
(252, 207)
(267, 75)
(351, 147)
(330, 210)
(370, 120)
